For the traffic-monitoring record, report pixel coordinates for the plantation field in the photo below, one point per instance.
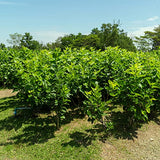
(88, 79)
(79, 102)
(32, 138)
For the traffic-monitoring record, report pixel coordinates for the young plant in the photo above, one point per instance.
(94, 107)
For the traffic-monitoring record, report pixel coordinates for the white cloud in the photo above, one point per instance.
(153, 18)
(47, 36)
(140, 31)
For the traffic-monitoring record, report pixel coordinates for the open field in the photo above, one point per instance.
(37, 138)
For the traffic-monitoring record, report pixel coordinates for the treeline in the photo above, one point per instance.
(108, 35)
(149, 41)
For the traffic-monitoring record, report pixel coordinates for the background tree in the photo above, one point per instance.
(150, 40)
(108, 35)
(18, 40)
(53, 45)
(15, 40)
(154, 37)
(91, 40)
(86, 41)
(112, 35)
(27, 41)
(143, 43)
(67, 41)
(126, 42)
(77, 41)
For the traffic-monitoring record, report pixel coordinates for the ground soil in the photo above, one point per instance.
(7, 93)
(144, 146)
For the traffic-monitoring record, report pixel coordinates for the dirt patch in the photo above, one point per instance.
(7, 93)
(145, 147)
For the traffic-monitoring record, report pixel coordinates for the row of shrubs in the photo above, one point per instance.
(94, 81)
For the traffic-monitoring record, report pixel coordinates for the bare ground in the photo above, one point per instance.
(7, 93)
(146, 146)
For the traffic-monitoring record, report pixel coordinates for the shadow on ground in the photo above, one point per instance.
(81, 139)
(99, 131)
(9, 102)
(155, 116)
(120, 130)
(29, 128)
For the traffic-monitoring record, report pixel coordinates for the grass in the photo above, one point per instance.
(31, 137)
(26, 137)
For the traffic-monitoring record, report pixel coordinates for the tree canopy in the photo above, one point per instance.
(107, 35)
(150, 40)
(15, 40)
(112, 35)
(18, 40)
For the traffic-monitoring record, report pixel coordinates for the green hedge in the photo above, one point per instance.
(89, 79)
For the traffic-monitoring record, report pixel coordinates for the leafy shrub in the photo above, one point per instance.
(87, 79)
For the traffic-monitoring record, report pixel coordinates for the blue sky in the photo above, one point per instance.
(46, 20)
